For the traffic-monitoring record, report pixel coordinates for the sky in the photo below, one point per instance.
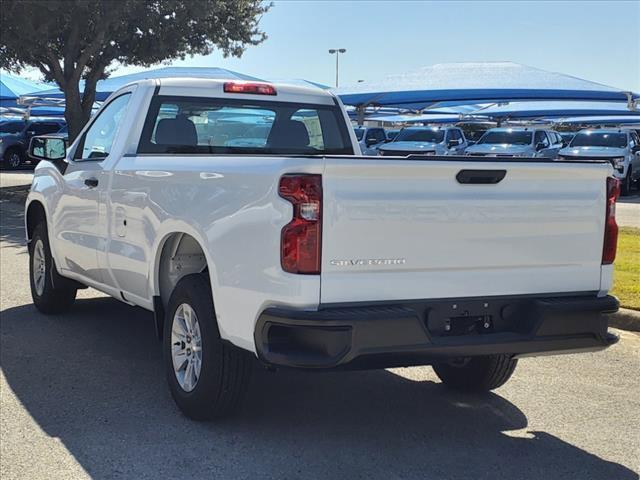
(593, 40)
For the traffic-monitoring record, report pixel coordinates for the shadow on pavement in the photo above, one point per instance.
(94, 379)
(11, 223)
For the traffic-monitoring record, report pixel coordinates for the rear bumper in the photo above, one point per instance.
(424, 332)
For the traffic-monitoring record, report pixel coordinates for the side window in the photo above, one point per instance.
(97, 141)
(541, 137)
(460, 135)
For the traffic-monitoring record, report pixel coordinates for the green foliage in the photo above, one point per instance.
(72, 39)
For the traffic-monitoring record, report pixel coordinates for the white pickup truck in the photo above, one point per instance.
(243, 216)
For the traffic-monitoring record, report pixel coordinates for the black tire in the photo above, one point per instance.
(627, 184)
(225, 369)
(476, 374)
(55, 295)
(13, 159)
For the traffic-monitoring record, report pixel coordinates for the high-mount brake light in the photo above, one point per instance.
(249, 87)
(301, 238)
(610, 226)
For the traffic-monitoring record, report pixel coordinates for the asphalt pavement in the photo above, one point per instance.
(83, 395)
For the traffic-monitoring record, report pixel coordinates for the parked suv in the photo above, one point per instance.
(517, 142)
(619, 146)
(426, 141)
(15, 136)
(370, 139)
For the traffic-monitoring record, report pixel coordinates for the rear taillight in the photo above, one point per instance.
(301, 238)
(610, 225)
(249, 87)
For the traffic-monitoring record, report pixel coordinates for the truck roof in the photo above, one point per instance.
(210, 87)
(516, 129)
(604, 130)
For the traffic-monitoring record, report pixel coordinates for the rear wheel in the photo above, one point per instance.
(50, 292)
(476, 374)
(207, 377)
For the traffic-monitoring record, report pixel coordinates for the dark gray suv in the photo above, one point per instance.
(15, 135)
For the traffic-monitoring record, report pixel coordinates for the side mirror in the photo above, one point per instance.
(31, 132)
(635, 149)
(453, 143)
(540, 146)
(371, 141)
(48, 148)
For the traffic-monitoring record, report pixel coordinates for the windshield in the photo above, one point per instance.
(599, 139)
(391, 134)
(506, 137)
(426, 135)
(359, 133)
(11, 127)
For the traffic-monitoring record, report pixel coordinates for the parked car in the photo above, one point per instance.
(370, 139)
(517, 142)
(426, 141)
(15, 136)
(621, 147)
(567, 137)
(300, 253)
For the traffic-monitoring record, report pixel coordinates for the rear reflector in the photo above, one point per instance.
(610, 225)
(301, 238)
(249, 87)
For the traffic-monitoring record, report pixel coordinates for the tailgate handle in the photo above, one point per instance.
(480, 176)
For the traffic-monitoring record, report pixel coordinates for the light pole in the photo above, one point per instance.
(337, 52)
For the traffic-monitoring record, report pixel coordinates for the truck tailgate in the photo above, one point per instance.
(407, 229)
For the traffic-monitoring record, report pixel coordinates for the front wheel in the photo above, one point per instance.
(13, 158)
(49, 291)
(207, 377)
(476, 374)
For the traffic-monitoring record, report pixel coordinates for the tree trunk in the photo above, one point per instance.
(73, 112)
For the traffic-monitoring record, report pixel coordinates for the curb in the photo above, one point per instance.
(625, 319)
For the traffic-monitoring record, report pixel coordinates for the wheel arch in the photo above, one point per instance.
(35, 212)
(179, 253)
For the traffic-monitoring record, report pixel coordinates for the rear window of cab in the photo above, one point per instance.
(195, 125)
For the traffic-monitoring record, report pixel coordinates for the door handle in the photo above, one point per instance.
(477, 177)
(91, 182)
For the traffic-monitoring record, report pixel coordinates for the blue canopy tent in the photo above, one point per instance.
(518, 110)
(626, 120)
(106, 87)
(423, 118)
(452, 84)
(12, 87)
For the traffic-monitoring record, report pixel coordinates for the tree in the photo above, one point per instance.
(74, 40)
